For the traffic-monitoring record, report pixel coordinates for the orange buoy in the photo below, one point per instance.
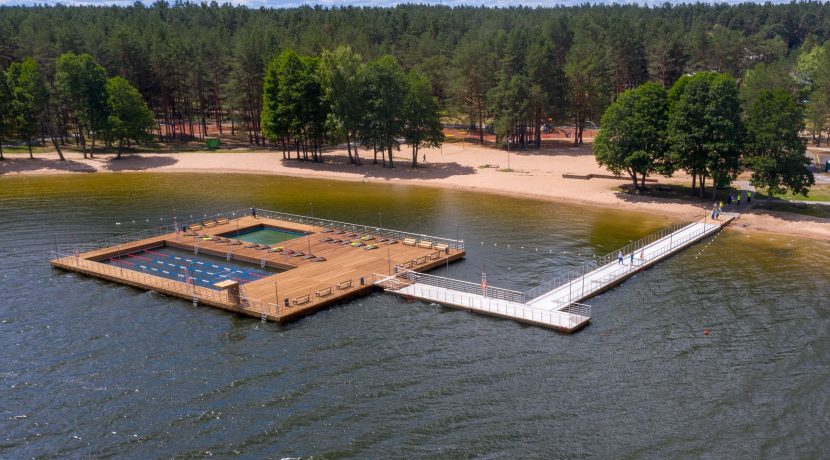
(706, 332)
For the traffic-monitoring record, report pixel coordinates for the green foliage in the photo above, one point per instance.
(633, 132)
(28, 99)
(384, 91)
(81, 85)
(341, 77)
(705, 131)
(423, 125)
(774, 149)
(6, 124)
(129, 117)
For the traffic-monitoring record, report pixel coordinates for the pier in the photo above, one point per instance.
(323, 262)
(556, 303)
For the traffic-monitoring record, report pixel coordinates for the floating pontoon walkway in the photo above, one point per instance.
(555, 304)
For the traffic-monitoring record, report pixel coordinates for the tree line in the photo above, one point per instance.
(700, 126)
(517, 71)
(337, 97)
(79, 101)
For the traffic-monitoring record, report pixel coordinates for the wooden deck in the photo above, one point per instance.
(305, 285)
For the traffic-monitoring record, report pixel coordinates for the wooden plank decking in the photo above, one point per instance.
(306, 285)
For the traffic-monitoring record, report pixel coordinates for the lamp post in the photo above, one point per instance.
(508, 153)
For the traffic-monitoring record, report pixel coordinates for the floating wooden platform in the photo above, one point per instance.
(304, 287)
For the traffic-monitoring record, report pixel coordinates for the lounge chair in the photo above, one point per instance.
(326, 240)
(328, 230)
(351, 235)
(276, 249)
(235, 242)
(339, 232)
(370, 247)
(298, 254)
(357, 244)
(345, 242)
(319, 259)
(391, 241)
(309, 257)
(251, 245)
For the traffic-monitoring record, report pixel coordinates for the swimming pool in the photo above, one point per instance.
(180, 265)
(265, 235)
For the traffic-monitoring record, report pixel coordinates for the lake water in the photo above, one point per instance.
(92, 368)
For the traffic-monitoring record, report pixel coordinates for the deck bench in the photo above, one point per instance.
(344, 285)
(425, 244)
(410, 241)
(302, 300)
(323, 292)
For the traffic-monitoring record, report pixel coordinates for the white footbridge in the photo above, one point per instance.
(556, 303)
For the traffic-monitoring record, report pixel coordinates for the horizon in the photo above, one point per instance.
(287, 4)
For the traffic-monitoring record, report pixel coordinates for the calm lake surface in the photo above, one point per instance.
(91, 368)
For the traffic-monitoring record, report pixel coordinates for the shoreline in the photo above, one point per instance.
(534, 174)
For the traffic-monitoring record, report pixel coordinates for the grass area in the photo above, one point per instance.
(818, 192)
(675, 191)
(805, 209)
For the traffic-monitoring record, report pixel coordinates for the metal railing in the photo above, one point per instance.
(461, 286)
(580, 285)
(358, 228)
(150, 281)
(597, 262)
(575, 315)
(231, 215)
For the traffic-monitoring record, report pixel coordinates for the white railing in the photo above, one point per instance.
(461, 286)
(231, 215)
(584, 286)
(358, 228)
(597, 263)
(560, 319)
(147, 280)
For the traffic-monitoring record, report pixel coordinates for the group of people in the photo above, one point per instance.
(718, 206)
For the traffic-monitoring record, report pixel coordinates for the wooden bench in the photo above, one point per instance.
(302, 300)
(209, 223)
(222, 221)
(434, 255)
(344, 285)
(420, 260)
(194, 227)
(441, 247)
(407, 264)
(410, 241)
(323, 292)
(425, 244)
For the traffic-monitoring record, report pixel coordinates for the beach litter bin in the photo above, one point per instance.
(212, 143)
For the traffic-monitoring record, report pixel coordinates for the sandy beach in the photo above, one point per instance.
(531, 173)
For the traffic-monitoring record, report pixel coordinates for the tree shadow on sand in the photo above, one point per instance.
(21, 165)
(402, 170)
(139, 162)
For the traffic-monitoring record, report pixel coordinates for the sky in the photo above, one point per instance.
(376, 3)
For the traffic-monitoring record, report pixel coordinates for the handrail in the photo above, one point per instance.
(602, 261)
(461, 285)
(231, 215)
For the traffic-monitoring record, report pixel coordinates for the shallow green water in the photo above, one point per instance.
(92, 368)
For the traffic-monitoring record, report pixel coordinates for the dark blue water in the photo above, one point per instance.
(95, 369)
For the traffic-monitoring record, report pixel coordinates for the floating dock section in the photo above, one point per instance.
(556, 303)
(322, 263)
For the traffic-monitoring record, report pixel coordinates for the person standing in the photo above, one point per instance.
(739, 199)
(748, 196)
(619, 258)
(631, 259)
(253, 212)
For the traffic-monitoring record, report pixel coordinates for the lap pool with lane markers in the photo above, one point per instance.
(180, 265)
